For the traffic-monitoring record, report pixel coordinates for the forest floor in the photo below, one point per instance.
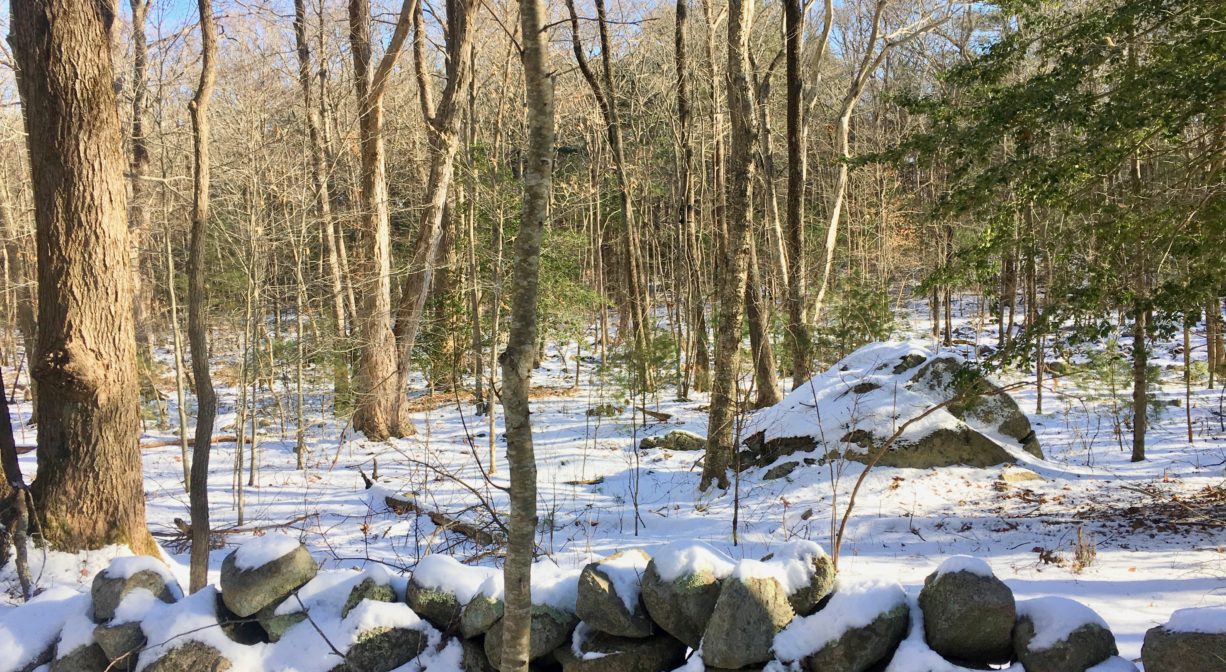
(1157, 528)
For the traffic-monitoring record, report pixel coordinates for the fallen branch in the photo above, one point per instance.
(158, 443)
(402, 506)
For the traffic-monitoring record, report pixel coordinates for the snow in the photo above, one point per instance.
(965, 563)
(1114, 664)
(260, 551)
(552, 586)
(1208, 620)
(78, 628)
(1055, 618)
(133, 607)
(683, 558)
(27, 631)
(577, 638)
(329, 591)
(791, 565)
(853, 605)
(445, 573)
(625, 572)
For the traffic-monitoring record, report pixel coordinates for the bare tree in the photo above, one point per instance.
(89, 491)
(197, 326)
(517, 359)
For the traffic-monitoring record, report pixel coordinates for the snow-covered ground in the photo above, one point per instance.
(1158, 548)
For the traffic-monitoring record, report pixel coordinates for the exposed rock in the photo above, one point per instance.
(968, 618)
(239, 629)
(439, 607)
(275, 624)
(120, 642)
(861, 649)
(191, 656)
(474, 658)
(108, 591)
(551, 628)
(88, 658)
(622, 654)
(384, 649)
(479, 615)
(747, 615)
(681, 607)
(676, 440)
(247, 591)
(600, 606)
(1011, 474)
(875, 390)
(781, 470)
(368, 589)
(806, 600)
(1169, 651)
(1082, 649)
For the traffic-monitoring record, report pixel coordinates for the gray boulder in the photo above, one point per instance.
(367, 589)
(863, 648)
(108, 590)
(88, 658)
(681, 607)
(1170, 651)
(599, 604)
(479, 615)
(677, 440)
(437, 606)
(622, 654)
(550, 629)
(1078, 651)
(968, 617)
(191, 656)
(245, 592)
(383, 649)
(474, 658)
(120, 643)
(749, 613)
(275, 624)
(806, 600)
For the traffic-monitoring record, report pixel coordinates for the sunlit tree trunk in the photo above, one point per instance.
(88, 491)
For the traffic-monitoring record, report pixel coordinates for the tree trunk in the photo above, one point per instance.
(323, 205)
(443, 128)
(206, 399)
(758, 315)
(138, 211)
(1140, 399)
(376, 406)
(731, 294)
(516, 360)
(88, 492)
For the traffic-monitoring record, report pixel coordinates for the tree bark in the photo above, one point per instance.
(88, 492)
(374, 414)
(516, 360)
(138, 211)
(731, 294)
(197, 320)
(1140, 393)
(443, 129)
(766, 380)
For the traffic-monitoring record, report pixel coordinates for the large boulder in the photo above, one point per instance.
(858, 630)
(479, 615)
(1056, 634)
(677, 440)
(550, 629)
(441, 586)
(752, 608)
(968, 613)
(681, 586)
(84, 658)
(609, 598)
(807, 571)
(190, 656)
(125, 575)
(1193, 640)
(383, 649)
(867, 396)
(264, 571)
(593, 651)
(120, 643)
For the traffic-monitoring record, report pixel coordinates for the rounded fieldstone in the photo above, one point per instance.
(861, 649)
(968, 618)
(806, 600)
(479, 615)
(191, 656)
(1169, 651)
(437, 606)
(681, 607)
(600, 606)
(108, 591)
(550, 629)
(247, 591)
(88, 658)
(622, 654)
(749, 613)
(120, 643)
(1082, 649)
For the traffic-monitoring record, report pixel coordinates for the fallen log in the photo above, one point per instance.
(402, 506)
(158, 443)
